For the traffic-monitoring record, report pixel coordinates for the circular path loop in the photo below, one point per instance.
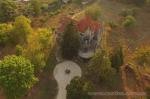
(64, 72)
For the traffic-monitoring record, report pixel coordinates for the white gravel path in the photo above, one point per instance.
(64, 79)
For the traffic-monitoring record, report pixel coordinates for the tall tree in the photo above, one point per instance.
(8, 10)
(70, 42)
(16, 76)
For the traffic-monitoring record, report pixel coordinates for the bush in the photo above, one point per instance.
(16, 76)
(79, 88)
(129, 21)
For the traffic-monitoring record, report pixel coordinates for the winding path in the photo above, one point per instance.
(63, 78)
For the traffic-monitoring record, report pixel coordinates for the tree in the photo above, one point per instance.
(129, 21)
(38, 47)
(117, 58)
(36, 7)
(94, 12)
(70, 43)
(99, 69)
(78, 89)
(21, 29)
(8, 10)
(16, 76)
(5, 30)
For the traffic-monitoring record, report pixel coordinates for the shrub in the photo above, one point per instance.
(79, 88)
(129, 21)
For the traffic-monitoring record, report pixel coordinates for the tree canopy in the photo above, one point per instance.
(8, 10)
(38, 47)
(16, 76)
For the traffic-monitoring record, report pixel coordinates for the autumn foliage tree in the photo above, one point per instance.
(39, 45)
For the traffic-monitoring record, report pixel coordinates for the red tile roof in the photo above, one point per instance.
(82, 25)
(86, 23)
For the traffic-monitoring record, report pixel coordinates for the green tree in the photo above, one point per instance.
(99, 69)
(21, 29)
(16, 76)
(5, 30)
(8, 10)
(117, 58)
(79, 88)
(70, 42)
(35, 7)
(94, 12)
